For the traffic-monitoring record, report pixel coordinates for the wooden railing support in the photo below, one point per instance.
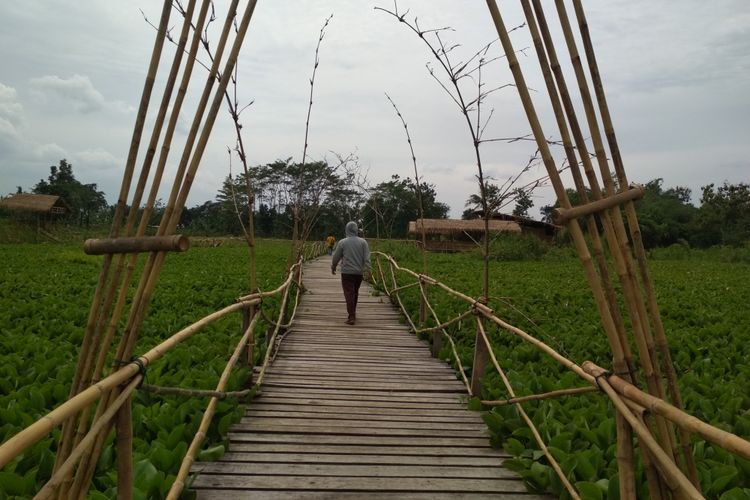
(124, 429)
(172, 243)
(481, 356)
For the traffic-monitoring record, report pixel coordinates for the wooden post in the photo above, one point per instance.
(437, 343)
(481, 355)
(247, 316)
(124, 426)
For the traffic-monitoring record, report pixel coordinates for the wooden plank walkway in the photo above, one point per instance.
(357, 411)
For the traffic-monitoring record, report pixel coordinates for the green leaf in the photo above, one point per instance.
(589, 491)
(735, 494)
(211, 454)
(175, 436)
(513, 446)
(584, 469)
(12, 484)
(145, 475)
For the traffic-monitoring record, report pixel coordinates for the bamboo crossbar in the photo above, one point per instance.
(193, 393)
(538, 397)
(173, 243)
(563, 215)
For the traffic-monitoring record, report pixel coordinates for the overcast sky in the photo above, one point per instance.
(676, 73)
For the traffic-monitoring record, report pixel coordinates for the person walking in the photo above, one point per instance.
(330, 243)
(354, 254)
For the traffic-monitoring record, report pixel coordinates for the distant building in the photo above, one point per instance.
(35, 204)
(453, 235)
(542, 230)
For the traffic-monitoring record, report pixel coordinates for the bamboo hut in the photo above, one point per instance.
(455, 235)
(542, 230)
(35, 203)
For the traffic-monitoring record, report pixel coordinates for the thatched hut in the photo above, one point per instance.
(452, 235)
(35, 203)
(542, 230)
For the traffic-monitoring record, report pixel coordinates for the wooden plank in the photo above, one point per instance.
(353, 470)
(419, 416)
(313, 483)
(360, 440)
(350, 430)
(425, 387)
(349, 458)
(382, 405)
(357, 450)
(286, 405)
(341, 422)
(365, 495)
(373, 396)
(366, 374)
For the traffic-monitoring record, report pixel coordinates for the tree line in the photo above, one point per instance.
(330, 195)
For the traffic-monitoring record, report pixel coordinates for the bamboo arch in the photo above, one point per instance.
(100, 402)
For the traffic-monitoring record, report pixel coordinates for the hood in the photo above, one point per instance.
(351, 229)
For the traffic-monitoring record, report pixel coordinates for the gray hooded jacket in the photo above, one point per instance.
(354, 251)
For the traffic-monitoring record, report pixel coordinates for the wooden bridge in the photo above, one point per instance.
(358, 411)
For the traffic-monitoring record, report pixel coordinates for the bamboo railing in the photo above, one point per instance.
(628, 400)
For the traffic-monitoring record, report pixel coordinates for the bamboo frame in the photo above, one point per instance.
(173, 243)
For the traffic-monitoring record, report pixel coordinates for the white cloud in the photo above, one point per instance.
(98, 157)
(77, 91)
(11, 110)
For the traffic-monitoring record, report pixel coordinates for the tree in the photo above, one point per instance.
(724, 215)
(523, 202)
(392, 204)
(665, 215)
(84, 199)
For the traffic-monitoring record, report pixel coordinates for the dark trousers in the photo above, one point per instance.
(350, 283)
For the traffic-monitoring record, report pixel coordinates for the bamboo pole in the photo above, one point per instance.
(124, 446)
(272, 339)
(625, 460)
(632, 293)
(172, 243)
(549, 64)
(539, 397)
(553, 463)
(141, 299)
(635, 235)
(563, 215)
(187, 462)
(437, 335)
(65, 443)
(194, 393)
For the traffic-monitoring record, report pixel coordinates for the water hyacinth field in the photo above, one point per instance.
(45, 294)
